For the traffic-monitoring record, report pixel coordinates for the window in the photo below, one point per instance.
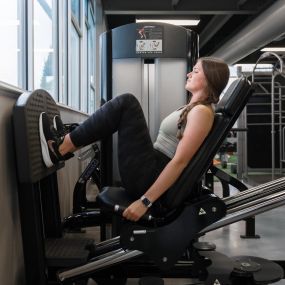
(45, 75)
(63, 51)
(75, 9)
(84, 72)
(50, 44)
(91, 60)
(11, 47)
(75, 69)
(82, 56)
(75, 55)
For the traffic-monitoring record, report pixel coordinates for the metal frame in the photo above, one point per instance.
(275, 72)
(241, 206)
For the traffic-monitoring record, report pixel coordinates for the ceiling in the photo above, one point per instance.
(220, 20)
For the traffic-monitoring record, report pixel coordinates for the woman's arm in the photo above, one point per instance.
(199, 123)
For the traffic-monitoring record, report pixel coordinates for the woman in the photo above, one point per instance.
(146, 170)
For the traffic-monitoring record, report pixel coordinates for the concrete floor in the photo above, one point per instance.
(269, 225)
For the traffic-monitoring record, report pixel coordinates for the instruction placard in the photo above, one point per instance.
(149, 39)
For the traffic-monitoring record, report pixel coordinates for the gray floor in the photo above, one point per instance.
(269, 225)
(271, 228)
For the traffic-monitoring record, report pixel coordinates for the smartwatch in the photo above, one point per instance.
(145, 201)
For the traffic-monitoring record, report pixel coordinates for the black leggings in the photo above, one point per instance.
(139, 163)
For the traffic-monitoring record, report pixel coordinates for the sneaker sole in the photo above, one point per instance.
(44, 146)
(54, 122)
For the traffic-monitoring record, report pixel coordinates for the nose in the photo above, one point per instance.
(189, 74)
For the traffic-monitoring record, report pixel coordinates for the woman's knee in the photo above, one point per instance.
(128, 98)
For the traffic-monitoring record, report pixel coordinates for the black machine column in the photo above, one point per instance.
(38, 193)
(46, 248)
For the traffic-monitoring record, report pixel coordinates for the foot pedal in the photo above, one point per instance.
(67, 252)
(262, 271)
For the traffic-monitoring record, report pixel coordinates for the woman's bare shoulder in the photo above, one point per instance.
(202, 109)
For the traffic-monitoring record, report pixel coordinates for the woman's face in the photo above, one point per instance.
(196, 80)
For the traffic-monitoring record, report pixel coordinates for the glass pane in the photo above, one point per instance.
(63, 53)
(44, 46)
(11, 34)
(86, 7)
(75, 9)
(91, 61)
(91, 54)
(75, 68)
(85, 74)
(91, 101)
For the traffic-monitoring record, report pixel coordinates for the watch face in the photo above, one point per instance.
(146, 202)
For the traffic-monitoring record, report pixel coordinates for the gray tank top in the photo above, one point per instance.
(167, 141)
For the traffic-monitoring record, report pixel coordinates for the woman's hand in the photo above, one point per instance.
(135, 211)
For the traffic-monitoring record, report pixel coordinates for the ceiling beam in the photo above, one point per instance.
(212, 28)
(201, 7)
(176, 12)
(262, 30)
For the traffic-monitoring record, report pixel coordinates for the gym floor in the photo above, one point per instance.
(270, 226)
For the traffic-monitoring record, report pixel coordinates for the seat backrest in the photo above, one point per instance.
(227, 111)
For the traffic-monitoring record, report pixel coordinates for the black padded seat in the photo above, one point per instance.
(110, 197)
(116, 199)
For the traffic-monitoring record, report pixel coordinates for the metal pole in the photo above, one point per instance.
(272, 129)
(280, 127)
(275, 71)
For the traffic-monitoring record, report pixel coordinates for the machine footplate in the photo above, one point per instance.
(66, 252)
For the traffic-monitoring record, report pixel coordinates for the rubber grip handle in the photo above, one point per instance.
(120, 210)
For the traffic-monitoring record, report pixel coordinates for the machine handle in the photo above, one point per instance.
(120, 209)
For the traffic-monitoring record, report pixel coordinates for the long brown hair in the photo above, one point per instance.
(217, 75)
